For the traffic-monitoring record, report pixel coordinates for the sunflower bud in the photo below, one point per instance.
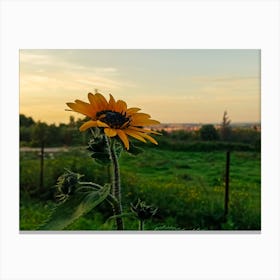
(66, 183)
(143, 211)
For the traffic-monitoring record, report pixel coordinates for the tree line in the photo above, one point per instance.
(36, 134)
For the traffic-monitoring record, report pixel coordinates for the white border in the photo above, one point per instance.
(154, 24)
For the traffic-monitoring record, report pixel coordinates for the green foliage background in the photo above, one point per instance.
(187, 187)
(183, 177)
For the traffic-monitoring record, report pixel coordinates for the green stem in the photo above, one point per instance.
(116, 183)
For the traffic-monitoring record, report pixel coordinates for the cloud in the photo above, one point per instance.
(222, 79)
(48, 81)
(45, 73)
(227, 88)
(35, 59)
(54, 63)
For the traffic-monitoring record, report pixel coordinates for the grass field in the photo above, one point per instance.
(186, 187)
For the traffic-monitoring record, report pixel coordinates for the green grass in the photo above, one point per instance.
(186, 187)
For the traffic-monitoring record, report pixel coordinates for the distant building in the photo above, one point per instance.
(170, 127)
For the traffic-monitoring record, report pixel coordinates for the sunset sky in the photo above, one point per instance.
(171, 85)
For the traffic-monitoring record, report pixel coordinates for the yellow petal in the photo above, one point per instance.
(132, 111)
(120, 106)
(112, 103)
(150, 138)
(81, 102)
(110, 132)
(101, 124)
(103, 104)
(125, 124)
(144, 130)
(141, 116)
(87, 125)
(124, 138)
(143, 122)
(135, 135)
(93, 102)
(81, 108)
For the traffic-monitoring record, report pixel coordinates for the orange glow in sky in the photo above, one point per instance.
(172, 85)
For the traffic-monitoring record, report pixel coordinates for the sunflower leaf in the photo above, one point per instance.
(75, 206)
(99, 150)
(133, 150)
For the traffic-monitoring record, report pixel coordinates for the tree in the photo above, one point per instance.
(225, 127)
(25, 128)
(54, 135)
(208, 132)
(25, 121)
(25, 134)
(72, 122)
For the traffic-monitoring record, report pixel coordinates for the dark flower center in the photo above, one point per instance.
(113, 119)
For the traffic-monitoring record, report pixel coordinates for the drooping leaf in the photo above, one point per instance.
(75, 206)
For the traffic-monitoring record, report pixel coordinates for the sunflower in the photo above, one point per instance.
(115, 118)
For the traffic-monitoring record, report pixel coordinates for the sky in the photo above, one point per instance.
(173, 86)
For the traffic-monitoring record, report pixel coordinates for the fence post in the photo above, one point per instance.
(42, 165)
(227, 183)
